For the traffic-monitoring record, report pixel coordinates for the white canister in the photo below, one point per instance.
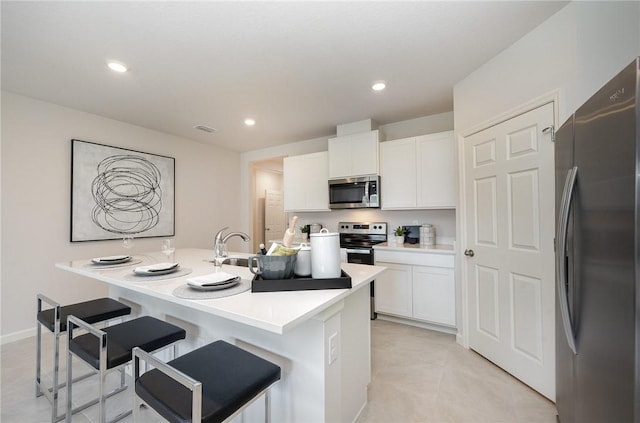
(325, 255)
(427, 235)
(303, 263)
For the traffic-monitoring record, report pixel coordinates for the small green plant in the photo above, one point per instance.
(400, 231)
(304, 229)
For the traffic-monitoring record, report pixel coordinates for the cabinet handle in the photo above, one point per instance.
(469, 253)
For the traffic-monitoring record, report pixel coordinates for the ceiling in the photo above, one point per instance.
(297, 68)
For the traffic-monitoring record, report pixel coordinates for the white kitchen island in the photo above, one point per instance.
(320, 338)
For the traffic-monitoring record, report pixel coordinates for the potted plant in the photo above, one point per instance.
(305, 232)
(399, 234)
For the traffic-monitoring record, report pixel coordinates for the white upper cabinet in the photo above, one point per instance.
(305, 182)
(354, 155)
(436, 170)
(418, 172)
(398, 181)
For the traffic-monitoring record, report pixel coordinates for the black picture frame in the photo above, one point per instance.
(117, 193)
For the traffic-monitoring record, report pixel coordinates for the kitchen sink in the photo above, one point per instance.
(236, 261)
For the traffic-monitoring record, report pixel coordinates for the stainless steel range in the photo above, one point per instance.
(358, 239)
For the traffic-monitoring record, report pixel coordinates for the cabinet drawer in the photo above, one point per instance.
(415, 258)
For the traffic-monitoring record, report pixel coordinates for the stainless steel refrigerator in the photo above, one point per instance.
(597, 262)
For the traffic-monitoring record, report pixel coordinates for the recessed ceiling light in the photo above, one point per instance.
(205, 128)
(378, 86)
(117, 67)
(249, 122)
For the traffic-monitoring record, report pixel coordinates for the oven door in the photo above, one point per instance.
(360, 256)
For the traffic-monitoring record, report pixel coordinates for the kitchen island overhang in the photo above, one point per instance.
(320, 338)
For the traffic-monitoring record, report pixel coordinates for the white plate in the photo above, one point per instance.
(218, 286)
(156, 269)
(213, 279)
(111, 259)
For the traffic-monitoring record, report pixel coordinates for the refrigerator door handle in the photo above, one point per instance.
(561, 270)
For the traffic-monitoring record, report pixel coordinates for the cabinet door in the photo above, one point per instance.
(354, 155)
(434, 295)
(393, 290)
(294, 191)
(339, 157)
(436, 170)
(316, 176)
(364, 153)
(305, 182)
(398, 173)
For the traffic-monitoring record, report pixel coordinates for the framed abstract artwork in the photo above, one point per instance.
(118, 193)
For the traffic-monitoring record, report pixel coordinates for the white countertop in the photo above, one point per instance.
(272, 311)
(416, 248)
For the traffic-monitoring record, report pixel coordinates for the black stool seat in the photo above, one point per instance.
(147, 333)
(93, 311)
(230, 377)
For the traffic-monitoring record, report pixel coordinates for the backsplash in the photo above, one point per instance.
(444, 221)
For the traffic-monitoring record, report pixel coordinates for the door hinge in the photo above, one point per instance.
(553, 132)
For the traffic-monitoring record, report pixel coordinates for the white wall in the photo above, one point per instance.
(575, 51)
(36, 156)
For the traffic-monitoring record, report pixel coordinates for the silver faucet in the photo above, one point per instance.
(220, 244)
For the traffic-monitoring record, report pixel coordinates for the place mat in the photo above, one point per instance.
(95, 266)
(132, 277)
(184, 291)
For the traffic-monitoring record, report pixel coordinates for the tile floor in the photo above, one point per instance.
(417, 376)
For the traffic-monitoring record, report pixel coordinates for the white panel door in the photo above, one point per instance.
(509, 227)
(274, 216)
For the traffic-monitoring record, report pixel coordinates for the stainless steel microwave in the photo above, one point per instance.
(354, 193)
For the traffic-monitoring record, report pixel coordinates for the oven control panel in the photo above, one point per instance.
(371, 228)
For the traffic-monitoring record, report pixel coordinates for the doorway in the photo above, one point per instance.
(267, 176)
(508, 197)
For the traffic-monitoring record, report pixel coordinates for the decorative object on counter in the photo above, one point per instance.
(314, 228)
(301, 284)
(290, 233)
(303, 262)
(304, 230)
(116, 192)
(273, 267)
(427, 235)
(278, 249)
(325, 255)
(127, 242)
(413, 234)
(168, 249)
(263, 250)
(399, 235)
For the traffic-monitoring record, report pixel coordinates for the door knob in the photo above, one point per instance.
(469, 253)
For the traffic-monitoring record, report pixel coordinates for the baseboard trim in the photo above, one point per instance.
(17, 336)
(420, 324)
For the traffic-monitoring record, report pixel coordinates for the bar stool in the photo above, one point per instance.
(210, 384)
(111, 348)
(55, 320)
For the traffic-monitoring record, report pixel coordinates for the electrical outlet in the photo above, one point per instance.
(333, 347)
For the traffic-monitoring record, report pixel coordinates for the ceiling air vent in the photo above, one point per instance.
(205, 128)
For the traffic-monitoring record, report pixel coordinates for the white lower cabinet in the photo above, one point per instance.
(413, 291)
(434, 295)
(393, 290)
